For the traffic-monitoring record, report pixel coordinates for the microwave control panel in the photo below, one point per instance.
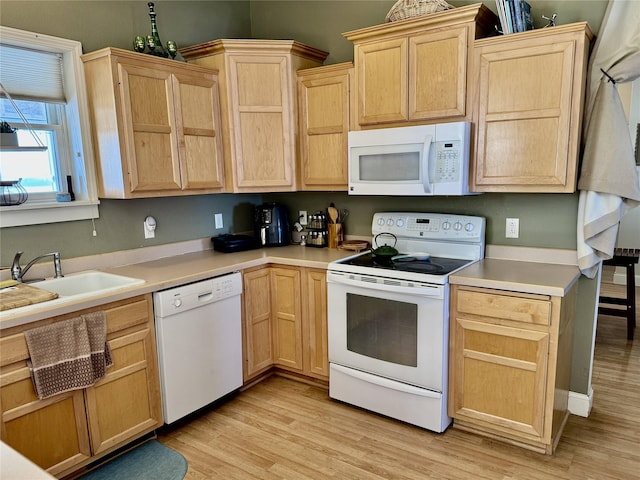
(447, 161)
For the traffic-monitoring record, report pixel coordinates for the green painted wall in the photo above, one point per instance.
(321, 22)
(545, 220)
(543, 217)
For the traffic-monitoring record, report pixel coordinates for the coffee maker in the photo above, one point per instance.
(271, 224)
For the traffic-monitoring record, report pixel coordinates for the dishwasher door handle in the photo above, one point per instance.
(205, 297)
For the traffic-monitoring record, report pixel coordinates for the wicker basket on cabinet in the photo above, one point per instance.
(404, 9)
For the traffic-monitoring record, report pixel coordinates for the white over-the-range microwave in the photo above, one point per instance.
(415, 160)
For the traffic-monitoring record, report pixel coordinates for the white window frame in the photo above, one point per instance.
(86, 204)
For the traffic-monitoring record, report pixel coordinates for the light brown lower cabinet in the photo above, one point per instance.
(256, 326)
(69, 430)
(510, 364)
(285, 321)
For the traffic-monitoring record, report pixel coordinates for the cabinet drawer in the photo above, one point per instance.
(505, 307)
(136, 312)
(120, 315)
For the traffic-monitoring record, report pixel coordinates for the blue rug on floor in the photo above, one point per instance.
(150, 461)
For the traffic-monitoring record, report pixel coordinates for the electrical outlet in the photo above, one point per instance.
(218, 220)
(302, 217)
(512, 229)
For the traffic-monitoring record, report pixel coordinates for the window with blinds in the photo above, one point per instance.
(44, 98)
(32, 74)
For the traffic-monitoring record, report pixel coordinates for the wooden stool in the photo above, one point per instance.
(624, 257)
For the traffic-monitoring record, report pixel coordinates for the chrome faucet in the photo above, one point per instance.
(17, 272)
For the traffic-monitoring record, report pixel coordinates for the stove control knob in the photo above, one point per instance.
(400, 223)
(390, 222)
(457, 226)
(446, 225)
(469, 227)
(381, 221)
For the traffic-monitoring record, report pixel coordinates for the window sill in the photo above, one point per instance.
(54, 212)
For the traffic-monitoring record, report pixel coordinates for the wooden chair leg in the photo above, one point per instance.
(631, 301)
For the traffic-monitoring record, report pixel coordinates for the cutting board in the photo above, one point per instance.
(14, 295)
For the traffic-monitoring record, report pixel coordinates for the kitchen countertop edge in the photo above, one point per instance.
(518, 276)
(175, 270)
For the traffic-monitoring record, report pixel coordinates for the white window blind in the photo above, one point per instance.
(32, 74)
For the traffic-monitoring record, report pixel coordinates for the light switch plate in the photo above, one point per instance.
(218, 220)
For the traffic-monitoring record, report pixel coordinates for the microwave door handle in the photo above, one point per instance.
(425, 163)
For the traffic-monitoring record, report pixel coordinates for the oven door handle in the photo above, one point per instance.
(386, 383)
(422, 291)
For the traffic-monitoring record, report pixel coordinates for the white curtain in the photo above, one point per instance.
(609, 185)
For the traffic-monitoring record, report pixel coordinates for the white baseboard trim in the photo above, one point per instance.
(580, 404)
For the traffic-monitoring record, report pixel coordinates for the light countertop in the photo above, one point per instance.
(518, 276)
(173, 271)
(179, 269)
(15, 466)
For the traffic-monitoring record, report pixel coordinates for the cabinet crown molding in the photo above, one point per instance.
(149, 60)
(540, 33)
(253, 47)
(484, 18)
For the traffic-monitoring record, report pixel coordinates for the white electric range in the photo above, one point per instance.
(388, 318)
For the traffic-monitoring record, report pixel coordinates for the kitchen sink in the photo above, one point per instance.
(90, 282)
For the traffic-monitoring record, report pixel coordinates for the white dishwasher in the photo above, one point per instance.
(199, 339)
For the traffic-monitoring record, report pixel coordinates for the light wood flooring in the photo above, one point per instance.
(283, 429)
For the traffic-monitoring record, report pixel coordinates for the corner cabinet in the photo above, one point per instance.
(67, 431)
(416, 70)
(324, 105)
(156, 125)
(285, 322)
(259, 107)
(530, 90)
(510, 364)
(256, 332)
(287, 317)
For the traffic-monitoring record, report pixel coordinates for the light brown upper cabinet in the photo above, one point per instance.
(528, 109)
(156, 125)
(259, 107)
(416, 70)
(324, 115)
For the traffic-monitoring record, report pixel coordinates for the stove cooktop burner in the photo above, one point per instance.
(419, 264)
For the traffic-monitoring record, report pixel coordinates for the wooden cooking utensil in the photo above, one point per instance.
(333, 214)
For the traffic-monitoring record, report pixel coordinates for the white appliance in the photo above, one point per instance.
(388, 319)
(199, 340)
(416, 160)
